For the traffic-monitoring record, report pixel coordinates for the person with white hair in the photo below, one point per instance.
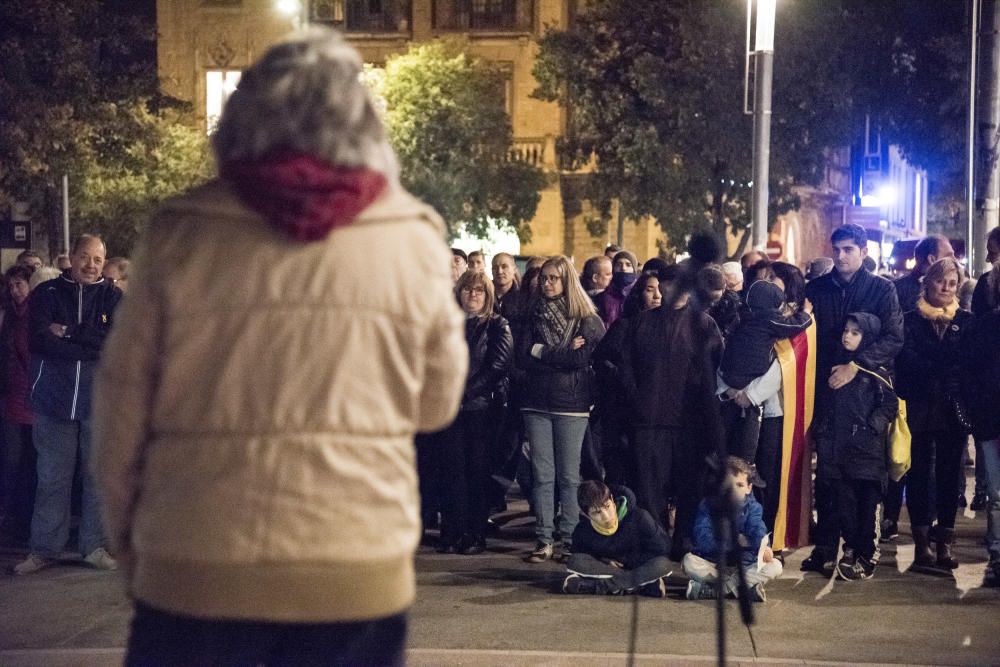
(734, 276)
(255, 444)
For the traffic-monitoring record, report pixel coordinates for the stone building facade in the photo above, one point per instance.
(204, 44)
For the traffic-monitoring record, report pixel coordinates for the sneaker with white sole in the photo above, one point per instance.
(542, 553)
(575, 584)
(654, 589)
(100, 559)
(33, 563)
(698, 590)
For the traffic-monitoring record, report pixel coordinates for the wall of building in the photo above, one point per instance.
(196, 36)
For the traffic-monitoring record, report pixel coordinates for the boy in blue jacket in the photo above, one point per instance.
(619, 549)
(758, 559)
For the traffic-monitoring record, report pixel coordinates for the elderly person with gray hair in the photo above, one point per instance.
(255, 444)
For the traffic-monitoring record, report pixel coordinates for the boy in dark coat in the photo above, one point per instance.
(700, 565)
(851, 448)
(619, 549)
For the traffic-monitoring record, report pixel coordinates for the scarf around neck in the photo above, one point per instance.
(935, 314)
(622, 505)
(552, 324)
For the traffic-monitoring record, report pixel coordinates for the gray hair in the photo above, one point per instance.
(305, 95)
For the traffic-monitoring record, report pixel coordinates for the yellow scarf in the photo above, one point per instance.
(607, 532)
(935, 314)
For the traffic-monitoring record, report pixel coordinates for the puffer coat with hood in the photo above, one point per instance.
(851, 438)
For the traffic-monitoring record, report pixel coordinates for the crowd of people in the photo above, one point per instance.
(246, 456)
(618, 391)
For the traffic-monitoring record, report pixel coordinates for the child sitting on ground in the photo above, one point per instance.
(700, 563)
(620, 550)
(851, 448)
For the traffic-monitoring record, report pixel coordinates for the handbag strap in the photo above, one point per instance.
(887, 381)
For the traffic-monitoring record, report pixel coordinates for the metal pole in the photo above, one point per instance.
(990, 141)
(763, 71)
(65, 207)
(970, 179)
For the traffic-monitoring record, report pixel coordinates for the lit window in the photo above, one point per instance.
(219, 85)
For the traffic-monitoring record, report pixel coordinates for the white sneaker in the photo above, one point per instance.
(100, 559)
(33, 563)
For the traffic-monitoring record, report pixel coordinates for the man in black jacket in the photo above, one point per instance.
(620, 549)
(928, 251)
(70, 317)
(846, 289)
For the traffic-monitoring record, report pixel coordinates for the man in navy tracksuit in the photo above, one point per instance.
(70, 317)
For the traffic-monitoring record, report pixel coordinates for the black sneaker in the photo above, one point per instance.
(889, 531)
(992, 578)
(845, 568)
(575, 584)
(757, 594)
(855, 569)
(655, 589)
(816, 563)
(979, 502)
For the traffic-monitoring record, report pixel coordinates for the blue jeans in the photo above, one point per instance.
(990, 453)
(556, 443)
(57, 442)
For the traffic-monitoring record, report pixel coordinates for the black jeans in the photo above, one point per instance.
(936, 461)
(827, 533)
(769, 467)
(17, 460)
(857, 501)
(162, 639)
(465, 483)
(666, 466)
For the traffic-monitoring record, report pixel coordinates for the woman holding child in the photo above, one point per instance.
(929, 379)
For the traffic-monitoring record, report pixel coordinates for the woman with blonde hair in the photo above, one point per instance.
(929, 378)
(560, 334)
(464, 447)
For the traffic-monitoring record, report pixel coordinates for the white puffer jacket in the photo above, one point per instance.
(256, 403)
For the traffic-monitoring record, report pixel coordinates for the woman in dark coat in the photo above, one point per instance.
(17, 455)
(929, 371)
(465, 445)
(554, 352)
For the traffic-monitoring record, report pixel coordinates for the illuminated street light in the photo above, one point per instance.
(763, 57)
(292, 9)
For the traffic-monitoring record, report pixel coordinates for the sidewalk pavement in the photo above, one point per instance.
(495, 609)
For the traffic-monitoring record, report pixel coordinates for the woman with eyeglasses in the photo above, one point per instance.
(559, 338)
(464, 447)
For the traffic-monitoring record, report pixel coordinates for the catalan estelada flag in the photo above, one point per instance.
(797, 357)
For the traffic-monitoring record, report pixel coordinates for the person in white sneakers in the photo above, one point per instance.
(70, 317)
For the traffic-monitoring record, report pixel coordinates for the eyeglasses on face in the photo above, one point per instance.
(549, 278)
(474, 290)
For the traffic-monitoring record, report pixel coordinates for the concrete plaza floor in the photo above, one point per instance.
(494, 609)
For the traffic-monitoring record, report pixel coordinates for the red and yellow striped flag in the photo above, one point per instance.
(797, 357)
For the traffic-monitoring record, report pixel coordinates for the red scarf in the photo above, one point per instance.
(303, 196)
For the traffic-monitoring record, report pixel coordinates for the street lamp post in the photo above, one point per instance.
(763, 57)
